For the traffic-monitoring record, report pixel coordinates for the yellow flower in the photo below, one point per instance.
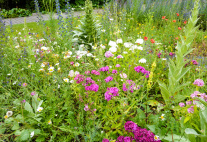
(205, 36)
(5, 117)
(162, 117)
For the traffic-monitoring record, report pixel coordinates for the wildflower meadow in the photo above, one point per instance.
(136, 72)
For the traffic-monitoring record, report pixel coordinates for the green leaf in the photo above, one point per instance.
(152, 128)
(24, 135)
(190, 131)
(187, 119)
(164, 91)
(15, 126)
(28, 107)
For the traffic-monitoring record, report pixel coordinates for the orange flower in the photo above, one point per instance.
(145, 38)
(176, 38)
(179, 28)
(177, 14)
(185, 22)
(163, 17)
(174, 21)
(152, 41)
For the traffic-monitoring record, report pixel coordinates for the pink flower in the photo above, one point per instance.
(188, 102)
(109, 78)
(171, 54)
(87, 72)
(108, 54)
(123, 75)
(198, 82)
(194, 94)
(71, 63)
(24, 84)
(191, 109)
(105, 140)
(114, 71)
(194, 62)
(33, 93)
(117, 65)
(86, 107)
(119, 56)
(181, 104)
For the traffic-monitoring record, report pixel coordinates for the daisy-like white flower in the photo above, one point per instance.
(9, 113)
(102, 46)
(44, 48)
(39, 109)
(103, 30)
(119, 41)
(76, 64)
(128, 44)
(113, 49)
(156, 138)
(41, 70)
(49, 122)
(140, 41)
(112, 43)
(162, 117)
(51, 69)
(32, 134)
(142, 60)
(42, 65)
(66, 80)
(72, 81)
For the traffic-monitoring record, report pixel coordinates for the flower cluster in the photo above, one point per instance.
(131, 86)
(198, 82)
(108, 54)
(104, 69)
(79, 78)
(112, 91)
(95, 72)
(109, 78)
(92, 87)
(142, 70)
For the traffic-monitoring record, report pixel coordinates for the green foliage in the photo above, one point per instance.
(15, 12)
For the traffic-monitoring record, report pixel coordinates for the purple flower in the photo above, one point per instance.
(181, 104)
(104, 69)
(198, 82)
(33, 93)
(120, 139)
(79, 78)
(119, 56)
(108, 54)
(130, 126)
(131, 86)
(117, 65)
(128, 139)
(87, 72)
(92, 87)
(112, 91)
(194, 62)
(171, 54)
(95, 72)
(109, 78)
(188, 102)
(191, 109)
(86, 107)
(114, 71)
(105, 140)
(23, 101)
(159, 54)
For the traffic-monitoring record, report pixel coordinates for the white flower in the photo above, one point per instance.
(140, 41)
(112, 43)
(76, 64)
(111, 19)
(125, 52)
(72, 81)
(123, 75)
(164, 59)
(140, 48)
(103, 30)
(66, 80)
(9, 74)
(94, 47)
(44, 48)
(89, 54)
(113, 49)
(142, 60)
(9, 113)
(76, 73)
(119, 41)
(41, 70)
(42, 65)
(14, 82)
(97, 59)
(51, 69)
(102, 46)
(162, 117)
(17, 46)
(58, 86)
(128, 44)
(156, 138)
(39, 109)
(71, 73)
(32, 134)
(49, 122)
(41, 39)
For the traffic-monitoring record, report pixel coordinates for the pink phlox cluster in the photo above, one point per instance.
(142, 70)
(199, 82)
(79, 78)
(109, 78)
(108, 54)
(111, 92)
(92, 87)
(95, 72)
(114, 71)
(124, 139)
(106, 68)
(194, 62)
(130, 84)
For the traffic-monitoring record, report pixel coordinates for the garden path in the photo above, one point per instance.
(34, 18)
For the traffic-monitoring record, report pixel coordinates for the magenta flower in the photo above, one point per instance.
(104, 69)
(71, 63)
(130, 87)
(87, 72)
(117, 65)
(108, 54)
(95, 72)
(114, 71)
(86, 108)
(92, 87)
(24, 84)
(194, 94)
(191, 109)
(109, 78)
(194, 62)
(119, 56)
(130, 126)
(159, 54)
(111, 92)
(33, 93)
(79, 78)
(181, 104)
(171, 54)
(23, 101)
(105, 140)
(199, 82)
(188, 102)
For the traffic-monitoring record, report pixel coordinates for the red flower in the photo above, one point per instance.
(145, 38)
(179, 28)
(185, 22)
(166, 19)
(163, 17)
(174, 21)
(176, 38)
(177, 14)
(152, 41)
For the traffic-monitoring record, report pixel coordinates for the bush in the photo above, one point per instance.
(15, 12)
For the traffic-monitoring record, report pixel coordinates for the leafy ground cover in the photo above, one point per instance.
(105, 77)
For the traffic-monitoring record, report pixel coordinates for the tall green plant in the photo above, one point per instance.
(177, 69)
